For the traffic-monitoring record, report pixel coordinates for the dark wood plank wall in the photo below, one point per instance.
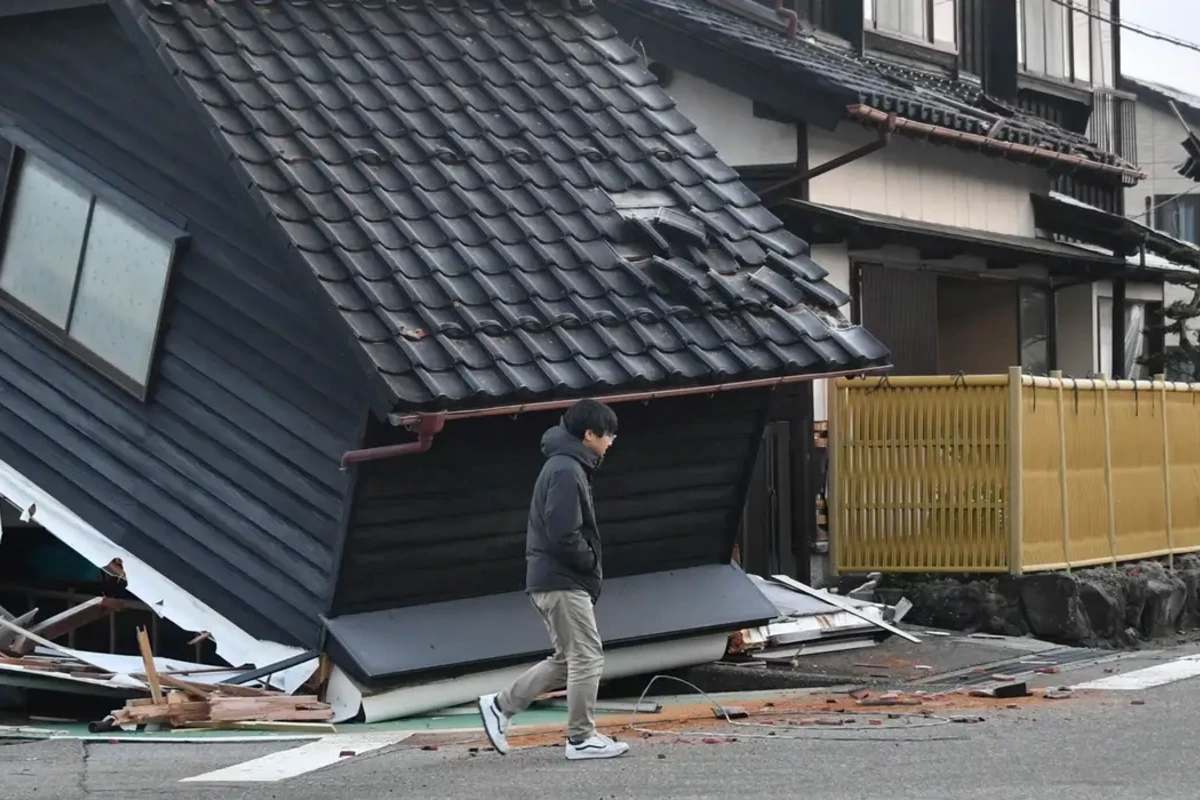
(227, 479)
(450, 523)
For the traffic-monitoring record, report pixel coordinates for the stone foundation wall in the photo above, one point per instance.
(1101, 606)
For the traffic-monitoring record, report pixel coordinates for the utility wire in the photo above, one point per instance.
(1129, 26)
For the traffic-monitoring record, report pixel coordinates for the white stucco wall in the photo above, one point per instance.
(920, 181)
(727, 121)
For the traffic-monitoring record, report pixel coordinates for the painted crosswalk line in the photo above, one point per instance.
(1139, 679)
(299, 760)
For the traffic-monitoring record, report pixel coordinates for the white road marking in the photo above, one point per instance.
(299, 760)
(1158, 675)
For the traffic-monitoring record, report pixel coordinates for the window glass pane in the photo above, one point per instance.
(41, 250)
(944, 24)
(913, 21)
(887, 15)
(1102, 45)
(1035, 330)
(869, 10)
(120, 291)
(1178, 217)
(1035, 37)
(1081, 41)
(1020, 33)
(1057, 51)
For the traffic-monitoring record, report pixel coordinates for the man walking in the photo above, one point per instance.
(563, 577)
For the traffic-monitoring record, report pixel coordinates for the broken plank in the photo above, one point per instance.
(8, 637)
(148, 659)
(196, 690)
(233, 690)
(161, 712)
(73, 618)
(260, 725)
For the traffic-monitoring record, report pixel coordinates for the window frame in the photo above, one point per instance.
(172, 233)
(1095, 30)
(929, 41)
(1162, 203)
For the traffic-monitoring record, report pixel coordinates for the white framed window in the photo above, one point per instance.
(932, 22)
(85, 266)
(1068, 40)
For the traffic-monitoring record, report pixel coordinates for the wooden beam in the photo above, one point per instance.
(73, 618)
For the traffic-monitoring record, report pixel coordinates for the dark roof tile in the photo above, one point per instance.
(460, 178)
(912, 93)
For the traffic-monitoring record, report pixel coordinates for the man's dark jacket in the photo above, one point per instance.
(562, 542)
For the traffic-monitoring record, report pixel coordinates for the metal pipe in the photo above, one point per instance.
(549, 405)
(426, 427)
(885, 136)
(864, 112)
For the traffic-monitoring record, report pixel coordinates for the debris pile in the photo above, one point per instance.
(180, 694)
(814, 621)
(188, 704)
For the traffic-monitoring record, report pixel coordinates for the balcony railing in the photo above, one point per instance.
(1011, 473)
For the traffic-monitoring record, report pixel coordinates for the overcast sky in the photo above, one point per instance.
(1157, 61)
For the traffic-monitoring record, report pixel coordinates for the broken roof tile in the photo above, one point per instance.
(460, 177)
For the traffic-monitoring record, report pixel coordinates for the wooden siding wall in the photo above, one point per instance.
(450, 523)
(227, 479)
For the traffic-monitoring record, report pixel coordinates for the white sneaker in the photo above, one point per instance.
(495, 723)
(596, 746)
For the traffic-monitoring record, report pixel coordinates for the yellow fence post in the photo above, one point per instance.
(1108, 473)
(1062, 470)
(1015, 508)
(833, 444)
(1162, 394)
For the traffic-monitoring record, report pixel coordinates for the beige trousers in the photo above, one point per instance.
(577, 661)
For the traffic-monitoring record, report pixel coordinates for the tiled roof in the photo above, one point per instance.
(453, 173)
(910, 93)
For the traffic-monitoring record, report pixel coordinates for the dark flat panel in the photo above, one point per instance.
(506, 628)
(899, 305)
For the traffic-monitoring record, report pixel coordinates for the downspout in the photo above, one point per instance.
(885, 137)
(426, 427)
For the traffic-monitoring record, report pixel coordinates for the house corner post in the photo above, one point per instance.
(1108, 471)
(1161, 383)
(833, 458)
(1015, 506)
(1057, 376)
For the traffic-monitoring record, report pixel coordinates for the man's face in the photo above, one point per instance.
(599, 444)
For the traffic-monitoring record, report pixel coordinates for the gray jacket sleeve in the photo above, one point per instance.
(564, 523)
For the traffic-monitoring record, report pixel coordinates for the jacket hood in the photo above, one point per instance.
(558, 441)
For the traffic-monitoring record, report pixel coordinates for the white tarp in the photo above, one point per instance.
(150, 586)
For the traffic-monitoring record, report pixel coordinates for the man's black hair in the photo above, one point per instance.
(590, 415)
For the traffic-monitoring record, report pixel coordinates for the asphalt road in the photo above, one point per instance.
(1095, 747)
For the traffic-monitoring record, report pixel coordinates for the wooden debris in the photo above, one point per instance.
(181, 709)
(148, 659)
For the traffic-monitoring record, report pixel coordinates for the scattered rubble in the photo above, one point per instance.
(814, 621)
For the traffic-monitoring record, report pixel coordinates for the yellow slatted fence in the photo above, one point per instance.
(1011, 473)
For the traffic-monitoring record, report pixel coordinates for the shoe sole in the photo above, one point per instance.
(588, 756)
(487, 728)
